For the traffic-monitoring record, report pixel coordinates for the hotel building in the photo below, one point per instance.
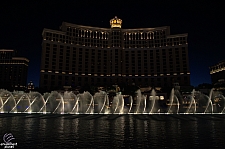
(78, 55)
(13, 70)
(217, 72)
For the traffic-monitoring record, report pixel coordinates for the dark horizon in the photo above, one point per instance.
(23, 23)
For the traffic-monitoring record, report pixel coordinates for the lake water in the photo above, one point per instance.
(114, 131)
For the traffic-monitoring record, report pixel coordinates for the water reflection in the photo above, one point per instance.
(125, 131)
(43, 123)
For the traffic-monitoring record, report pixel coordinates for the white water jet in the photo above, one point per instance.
(9, 102)
(99, 103)
(121, 101)
(171, 100)
(115, 104)
(131, 104)
(69, 99)
(76, 106)
(223, 100)
(138, 101)
(103, 105)
(58, 106)
(191, 103)
(23, 101)
(178, 104)
(209, 102)
(152, 101)
(144, 104)
(1, 107)
(91, 103)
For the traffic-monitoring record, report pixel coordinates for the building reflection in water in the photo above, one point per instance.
(125, 131)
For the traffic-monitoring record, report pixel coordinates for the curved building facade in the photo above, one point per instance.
(79, 55)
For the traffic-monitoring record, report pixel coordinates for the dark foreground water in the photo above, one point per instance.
(114, 131)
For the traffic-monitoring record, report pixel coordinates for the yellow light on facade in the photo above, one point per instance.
(115, 22)
(161, 97)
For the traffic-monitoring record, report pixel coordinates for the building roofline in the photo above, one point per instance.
(54, 31)
(216, 65)
(177, 35)
(82, 26)
(20, 58)
(153, 29)
(108, 29)
(6, 50)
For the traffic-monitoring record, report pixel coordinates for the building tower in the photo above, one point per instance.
(13, 70)
(80, 55)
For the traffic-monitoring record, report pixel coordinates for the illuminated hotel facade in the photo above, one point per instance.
(78, 55)
(217, 72)
(13, 70)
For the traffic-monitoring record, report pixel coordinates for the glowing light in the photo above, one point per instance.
(115, 22)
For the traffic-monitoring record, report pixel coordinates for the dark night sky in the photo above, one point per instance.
(22, 23)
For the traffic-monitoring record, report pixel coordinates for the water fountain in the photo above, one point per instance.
(100, 103)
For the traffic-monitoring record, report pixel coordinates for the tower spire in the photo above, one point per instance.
(115, 22)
